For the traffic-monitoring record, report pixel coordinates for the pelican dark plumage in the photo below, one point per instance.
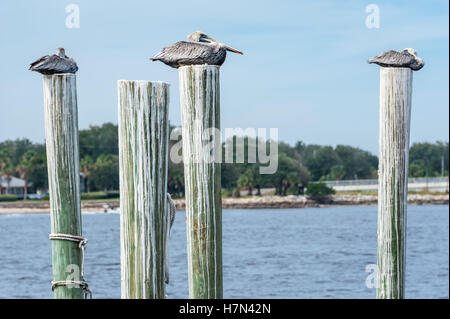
(54, 64)
(406, 58)
(198, 49)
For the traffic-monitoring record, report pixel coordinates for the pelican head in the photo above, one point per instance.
(199, 36)
(411, 51)
(419, 62)
(61, 52)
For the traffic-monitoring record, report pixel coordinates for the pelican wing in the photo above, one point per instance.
(54, 64)
(393, 59)
(37, 62)
(184, 53)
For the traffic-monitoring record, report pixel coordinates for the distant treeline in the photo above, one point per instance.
(297, 165)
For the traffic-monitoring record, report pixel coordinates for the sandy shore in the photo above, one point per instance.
(241, 203)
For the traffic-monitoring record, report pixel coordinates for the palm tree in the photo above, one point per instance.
(243, 182)
(9, 173)
(247, 180)
(24, 168)
(4, 160)
(86, 165)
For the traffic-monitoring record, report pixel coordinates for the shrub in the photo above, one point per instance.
(293, 190)
(100, 195)
(236, 192)
(226, 192)
(8, 198)
(113, 194)
(94, 195)
(319, 191)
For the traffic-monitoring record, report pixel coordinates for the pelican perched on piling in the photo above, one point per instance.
(199, 49)
(54, 64)
(406, 58)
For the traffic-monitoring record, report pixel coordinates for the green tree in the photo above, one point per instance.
(37, 174)
(99, 140)
(175, 181)
(86, 166)
(337, 172)
(417, 169)
(319, 192)
(258, 179)
(427, 157)
(15, 149)
(356, 163)
(319, 160)
(24, 169)
(288, 174)
(105, 173)
(4, 160)
(230, 174)
(251, 179)
(242, 181)
(296, 165)
(8, 171)
(342, 162)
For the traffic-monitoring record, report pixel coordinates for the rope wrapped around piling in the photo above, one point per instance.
(81, 244)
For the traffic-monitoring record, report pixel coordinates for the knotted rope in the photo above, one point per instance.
(84, 285)
(81, 244)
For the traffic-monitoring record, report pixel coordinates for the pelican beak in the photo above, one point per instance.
(208, 39)
(232, 50)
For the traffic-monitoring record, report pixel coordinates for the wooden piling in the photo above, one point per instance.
(200, 111)
(61, 129)
(143, 150)
(395, 112)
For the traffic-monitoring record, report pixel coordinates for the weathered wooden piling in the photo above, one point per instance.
(395, 112)
(200, 111)
(143, 150)
(61, 129)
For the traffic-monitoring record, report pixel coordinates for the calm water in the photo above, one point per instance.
(285, 253)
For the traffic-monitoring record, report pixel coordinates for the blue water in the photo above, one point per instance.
(283, 253)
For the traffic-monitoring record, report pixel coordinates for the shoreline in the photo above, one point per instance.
(254, 202)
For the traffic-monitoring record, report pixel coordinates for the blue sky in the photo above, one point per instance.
(304, 70)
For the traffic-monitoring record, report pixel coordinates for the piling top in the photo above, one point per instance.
(143, 82)
(407, 58)
(62, 75)
(200, 66)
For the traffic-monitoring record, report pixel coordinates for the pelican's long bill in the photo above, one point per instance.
(232, 50)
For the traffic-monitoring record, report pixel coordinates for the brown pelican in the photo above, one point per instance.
(199, 49)
(406, 58)
(53, 64)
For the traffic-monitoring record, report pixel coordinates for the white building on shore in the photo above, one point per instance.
(16, 186)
